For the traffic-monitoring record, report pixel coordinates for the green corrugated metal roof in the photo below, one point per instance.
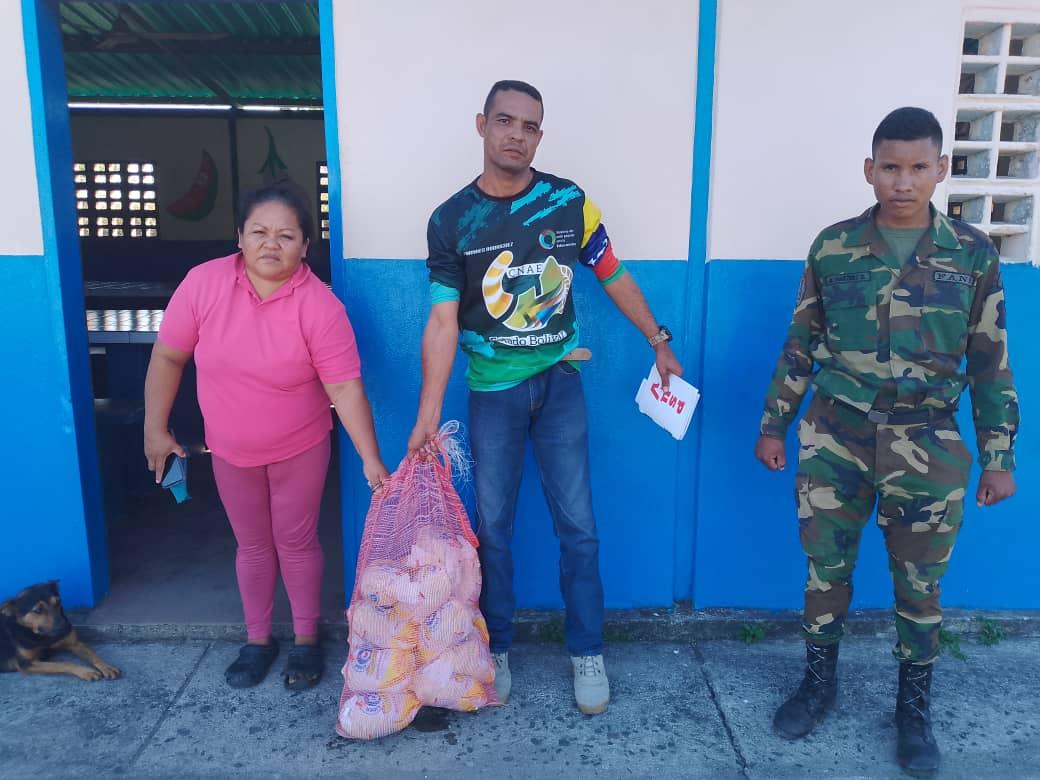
(209, 51)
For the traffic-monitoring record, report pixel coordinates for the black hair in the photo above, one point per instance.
(286, 192)
(908, 123)
(508, 85)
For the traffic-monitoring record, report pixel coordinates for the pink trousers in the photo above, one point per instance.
(273, 511)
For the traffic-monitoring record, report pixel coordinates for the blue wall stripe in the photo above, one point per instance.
(50, 462)
(331, 115)
(634, 501)
(695, 309)
(349, 463)
(67, 262)
(748, 553)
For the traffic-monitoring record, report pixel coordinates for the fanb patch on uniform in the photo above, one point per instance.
(949, 276)
(846, 278)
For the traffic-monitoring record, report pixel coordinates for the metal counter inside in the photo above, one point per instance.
(123, 326)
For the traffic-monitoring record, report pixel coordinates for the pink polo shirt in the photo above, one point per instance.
(261, 364)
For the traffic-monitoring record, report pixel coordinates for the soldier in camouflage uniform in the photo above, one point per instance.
(899, 309)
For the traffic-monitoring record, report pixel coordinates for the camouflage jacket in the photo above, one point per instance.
(876, 327)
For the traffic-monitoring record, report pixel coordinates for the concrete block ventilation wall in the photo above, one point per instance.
(176, 145)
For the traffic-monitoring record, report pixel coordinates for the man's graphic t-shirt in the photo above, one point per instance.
(510, 263)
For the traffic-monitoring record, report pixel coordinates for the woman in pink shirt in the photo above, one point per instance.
(272, 347)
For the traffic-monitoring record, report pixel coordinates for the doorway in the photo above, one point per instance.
(175, 109)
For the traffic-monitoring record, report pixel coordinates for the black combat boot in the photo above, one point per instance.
(814, 698)
(917, 752)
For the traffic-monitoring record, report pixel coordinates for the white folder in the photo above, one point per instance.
(673, 408)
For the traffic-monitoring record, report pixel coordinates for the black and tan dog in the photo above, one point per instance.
(33, 625)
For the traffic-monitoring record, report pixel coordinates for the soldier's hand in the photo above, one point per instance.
(994, 487)
(770, 452)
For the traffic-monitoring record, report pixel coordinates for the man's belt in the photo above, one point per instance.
(912, 417)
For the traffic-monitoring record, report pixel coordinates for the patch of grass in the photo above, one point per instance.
(949, 642)
(752, 633)
(552, 631)
(990, 633)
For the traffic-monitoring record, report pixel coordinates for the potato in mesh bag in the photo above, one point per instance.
(372, 715)
(378, 669)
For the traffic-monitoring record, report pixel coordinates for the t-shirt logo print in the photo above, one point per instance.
(534, 307)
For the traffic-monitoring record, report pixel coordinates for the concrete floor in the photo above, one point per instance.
(175, 563)
(678, 710)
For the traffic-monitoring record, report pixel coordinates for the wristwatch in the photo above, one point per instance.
(662, 335)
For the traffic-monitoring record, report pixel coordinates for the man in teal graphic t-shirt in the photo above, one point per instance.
(502, 257)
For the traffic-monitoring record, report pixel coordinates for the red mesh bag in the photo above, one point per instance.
(416, 633)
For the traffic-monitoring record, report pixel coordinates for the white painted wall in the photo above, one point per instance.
(618, 81)
(21, 232)
(800, 87)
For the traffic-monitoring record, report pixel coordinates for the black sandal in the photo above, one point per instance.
(251, 666)
(304, 667)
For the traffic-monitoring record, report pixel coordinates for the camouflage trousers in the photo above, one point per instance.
(918, 476)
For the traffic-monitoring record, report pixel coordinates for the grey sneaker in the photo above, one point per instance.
(591, 686)
(503, 678)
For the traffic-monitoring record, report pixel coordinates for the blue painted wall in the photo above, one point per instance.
(748, 553)
(698, 518)
(48, 462)
(635, 489)
(644, 489)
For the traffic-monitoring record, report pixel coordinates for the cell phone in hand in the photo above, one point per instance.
(176, 477)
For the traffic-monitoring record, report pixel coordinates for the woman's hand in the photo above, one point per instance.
(160, 389)
(158, 446)
(376, 475)
(356, 415)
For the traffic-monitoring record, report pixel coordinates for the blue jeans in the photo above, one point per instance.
(549, 406)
